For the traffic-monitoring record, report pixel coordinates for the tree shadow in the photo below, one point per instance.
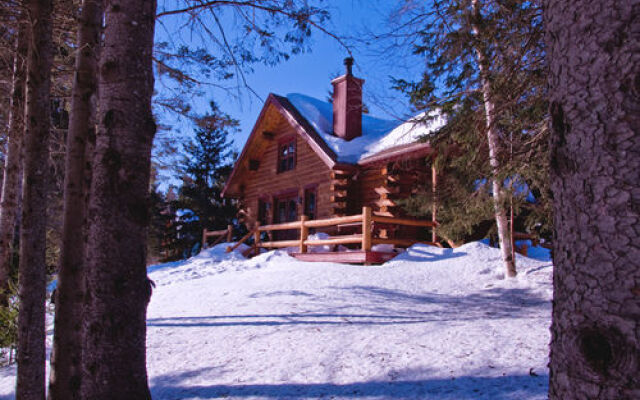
(284, 319)
(281, 293)
(459, 388)
(373, 305)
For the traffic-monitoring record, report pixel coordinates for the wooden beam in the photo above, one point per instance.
(304, 233)
(340, 175)
(346, 239)
(338, 199)
(402, 242)
(280, 227)
(385, 203)
(384, 213)
(387, 190)
(403, 221)
(337, 187)
(343, 181)
(244, 239)
(280, 244)
(319, 223)
(366, 228)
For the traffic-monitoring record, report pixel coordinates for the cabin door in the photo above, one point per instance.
(286, 210)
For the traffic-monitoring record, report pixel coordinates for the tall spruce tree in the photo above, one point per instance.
(13, 158)
(484, 69)
(30, 383)
(207, 164)
(64, 382)
(117, 287)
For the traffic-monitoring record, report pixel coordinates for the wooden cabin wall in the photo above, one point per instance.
(266, 182)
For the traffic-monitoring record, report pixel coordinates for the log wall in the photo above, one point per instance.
(267, 183)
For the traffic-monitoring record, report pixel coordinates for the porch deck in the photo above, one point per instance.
(366, 239)
(348, 257)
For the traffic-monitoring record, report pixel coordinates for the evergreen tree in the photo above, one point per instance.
(206, 167)
(161, 241)
(484, 69)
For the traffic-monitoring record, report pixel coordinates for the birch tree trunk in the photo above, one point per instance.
(66, 356)
(13, 161)
(594, 55)
(118, 290)
(32, 268)
(493, 141)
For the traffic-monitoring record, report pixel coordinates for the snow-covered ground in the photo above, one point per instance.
(430, 324)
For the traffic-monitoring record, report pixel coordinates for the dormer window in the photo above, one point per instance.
(287, 155)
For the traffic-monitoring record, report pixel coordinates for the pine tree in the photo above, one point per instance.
(207, 165)
(485, 71)
(117, 287)
(32, 268)
(66, 356)
(13, 160)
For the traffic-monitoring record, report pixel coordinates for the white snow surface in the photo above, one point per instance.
(377, 134)
(430, 324)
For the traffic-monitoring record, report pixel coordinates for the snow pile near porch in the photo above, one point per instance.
(430, 324)
(377, 134)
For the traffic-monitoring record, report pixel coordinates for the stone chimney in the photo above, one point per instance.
(347, 104)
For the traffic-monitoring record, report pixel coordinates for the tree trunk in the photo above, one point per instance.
(64, 382)
(493, 140)
(32, 268)
(594, 56)
(118, 291)
(13, 161)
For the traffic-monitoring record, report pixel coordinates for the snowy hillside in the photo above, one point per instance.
(431, 324)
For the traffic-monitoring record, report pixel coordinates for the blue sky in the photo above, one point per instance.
(310, 73)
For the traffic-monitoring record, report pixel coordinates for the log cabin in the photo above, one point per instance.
(324, 160)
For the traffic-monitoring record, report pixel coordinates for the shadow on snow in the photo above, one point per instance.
(370, 305)
(460, 388)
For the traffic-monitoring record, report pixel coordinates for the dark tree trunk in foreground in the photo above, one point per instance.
(13, 160)
(64, 382)
(594, 56)
(118, 291)
(32, 268)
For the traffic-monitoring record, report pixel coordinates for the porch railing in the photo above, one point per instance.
(221, 235)
(366, 239)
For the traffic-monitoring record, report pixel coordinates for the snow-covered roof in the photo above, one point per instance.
(377, 134)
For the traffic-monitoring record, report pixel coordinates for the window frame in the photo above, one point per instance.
(313, 189)
(290, 159)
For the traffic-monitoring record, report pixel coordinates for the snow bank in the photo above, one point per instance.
(430, 324)
(377, 134)
(211, 261)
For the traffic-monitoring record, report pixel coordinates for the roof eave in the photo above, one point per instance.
(414, 150)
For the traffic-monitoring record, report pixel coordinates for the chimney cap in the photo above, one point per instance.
(348, 62)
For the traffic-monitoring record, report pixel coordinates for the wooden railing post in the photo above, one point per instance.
(304, 233)
(229, 233)
(366, 228)
(204, 239)
(256, 239)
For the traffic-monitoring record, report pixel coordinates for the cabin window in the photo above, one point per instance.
(310, 203)
(287, 156)
(263, 211)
